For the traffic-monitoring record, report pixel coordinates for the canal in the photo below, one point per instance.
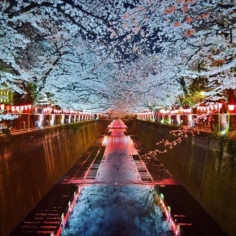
(117, 188)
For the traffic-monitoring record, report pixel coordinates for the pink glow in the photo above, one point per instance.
(174, 226)
(63, 223)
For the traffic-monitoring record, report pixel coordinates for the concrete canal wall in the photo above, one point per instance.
(32, 162)
(205, 166)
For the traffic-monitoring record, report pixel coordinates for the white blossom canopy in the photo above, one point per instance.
(117, 55)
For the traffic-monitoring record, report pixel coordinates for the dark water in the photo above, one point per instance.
(105, 210)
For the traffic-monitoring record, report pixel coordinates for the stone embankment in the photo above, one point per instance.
(203, 164)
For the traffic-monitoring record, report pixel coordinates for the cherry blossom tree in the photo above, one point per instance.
(119, 55)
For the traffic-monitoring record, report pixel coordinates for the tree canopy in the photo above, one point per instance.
(127, 55)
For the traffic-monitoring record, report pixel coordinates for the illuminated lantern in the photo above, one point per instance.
(231, 107)
(2, 106)
(8, 108)
(13, 108)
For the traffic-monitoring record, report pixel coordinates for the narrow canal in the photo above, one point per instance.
(114, 189)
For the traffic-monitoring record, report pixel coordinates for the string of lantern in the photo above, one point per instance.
(47, 110)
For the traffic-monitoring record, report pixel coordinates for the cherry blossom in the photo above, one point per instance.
(121, 55)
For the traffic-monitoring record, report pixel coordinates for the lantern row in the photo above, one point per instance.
(47, 110)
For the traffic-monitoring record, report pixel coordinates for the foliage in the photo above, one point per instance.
(75, 127)
(195, 93)
(231, 149)
(6, 131)
(31, 93)
(220, 150)
(224, 142)
(191, 99)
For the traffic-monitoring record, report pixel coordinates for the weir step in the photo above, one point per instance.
(46, 217)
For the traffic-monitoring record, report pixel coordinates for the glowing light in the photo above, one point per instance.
(223, 132)
(188, 110)
(173, 112)
(65, 217)
(40, 118)
(166, 210)
(104, 141)
(231, 107)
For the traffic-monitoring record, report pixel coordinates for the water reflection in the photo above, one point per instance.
(117, 210)
(117, 206)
